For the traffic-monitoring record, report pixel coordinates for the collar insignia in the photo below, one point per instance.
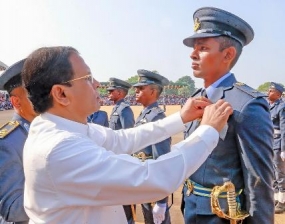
(239, 84)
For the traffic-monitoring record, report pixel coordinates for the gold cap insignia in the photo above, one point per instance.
(197, 24)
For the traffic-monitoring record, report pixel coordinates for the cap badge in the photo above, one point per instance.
(197, 24)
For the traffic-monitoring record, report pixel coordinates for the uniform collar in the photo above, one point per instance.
(120, 101)
(217, 89)
(146, 109)
(23, 122)
(155, 104)
(212, 88)
(276, 102)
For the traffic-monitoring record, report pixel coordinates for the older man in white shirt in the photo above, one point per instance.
(82, 173)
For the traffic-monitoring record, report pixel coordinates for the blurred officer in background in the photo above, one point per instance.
(12, 138)
(148, 90)
(121, 117)
(277, 111)
(243, 158)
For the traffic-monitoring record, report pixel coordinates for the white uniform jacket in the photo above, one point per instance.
(78, 173)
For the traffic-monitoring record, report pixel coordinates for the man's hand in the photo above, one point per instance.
(217, 114)
(282, 155)
(158, 213)
(194, 109)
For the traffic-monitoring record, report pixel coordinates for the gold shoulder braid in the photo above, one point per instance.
(7, 128)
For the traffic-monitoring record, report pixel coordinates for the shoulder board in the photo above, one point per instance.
(7, 128)
(249, 90)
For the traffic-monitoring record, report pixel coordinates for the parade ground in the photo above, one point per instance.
(176, 216)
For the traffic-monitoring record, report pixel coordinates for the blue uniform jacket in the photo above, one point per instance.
(277, 111)
(153, 113)
(99, 117)
(244, 156)
(122, 116)
(12, 173)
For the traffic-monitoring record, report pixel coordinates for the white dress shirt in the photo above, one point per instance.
(78, 173)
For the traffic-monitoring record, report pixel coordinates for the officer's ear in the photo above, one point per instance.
(15, 101)
(60, 95)
(229, 54)
(15, 97)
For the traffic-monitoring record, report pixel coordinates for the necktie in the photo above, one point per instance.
(204, 93)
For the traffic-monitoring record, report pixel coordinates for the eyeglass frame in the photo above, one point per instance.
(89, 78)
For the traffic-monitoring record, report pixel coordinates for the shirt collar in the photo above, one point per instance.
(211, 89)
(65, 124)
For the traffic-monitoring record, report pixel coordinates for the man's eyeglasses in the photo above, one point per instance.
(88, 78)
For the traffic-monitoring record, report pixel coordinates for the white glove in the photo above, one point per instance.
(282, 155)
(158, 212)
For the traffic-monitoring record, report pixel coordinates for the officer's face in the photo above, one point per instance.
(273, 94)
(115, 95)
(207, 59)
(145, 95)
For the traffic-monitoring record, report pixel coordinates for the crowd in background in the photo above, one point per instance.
(172, 99)
(5, 103)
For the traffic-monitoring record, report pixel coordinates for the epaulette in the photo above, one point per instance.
(249, 90)
(7, 128)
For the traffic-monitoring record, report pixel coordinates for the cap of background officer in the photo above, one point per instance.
(11, 77)
(149, 78)
(214, 22)
(278, 87)
(115, 83)
(3, 66)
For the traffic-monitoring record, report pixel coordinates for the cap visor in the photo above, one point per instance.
(141, 84)
(189, 41)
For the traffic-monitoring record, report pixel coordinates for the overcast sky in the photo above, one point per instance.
(118, 37)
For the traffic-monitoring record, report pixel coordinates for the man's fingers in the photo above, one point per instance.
(225, 107)
(201, 103)
(217, 114)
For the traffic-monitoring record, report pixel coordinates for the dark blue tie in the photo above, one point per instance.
(204, 93)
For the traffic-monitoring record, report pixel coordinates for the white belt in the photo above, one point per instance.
(277, 131)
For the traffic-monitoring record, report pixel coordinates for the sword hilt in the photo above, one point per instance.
(235, 214)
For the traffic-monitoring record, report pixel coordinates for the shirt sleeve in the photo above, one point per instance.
(105, 178)
(128, 141)
(254, 136)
